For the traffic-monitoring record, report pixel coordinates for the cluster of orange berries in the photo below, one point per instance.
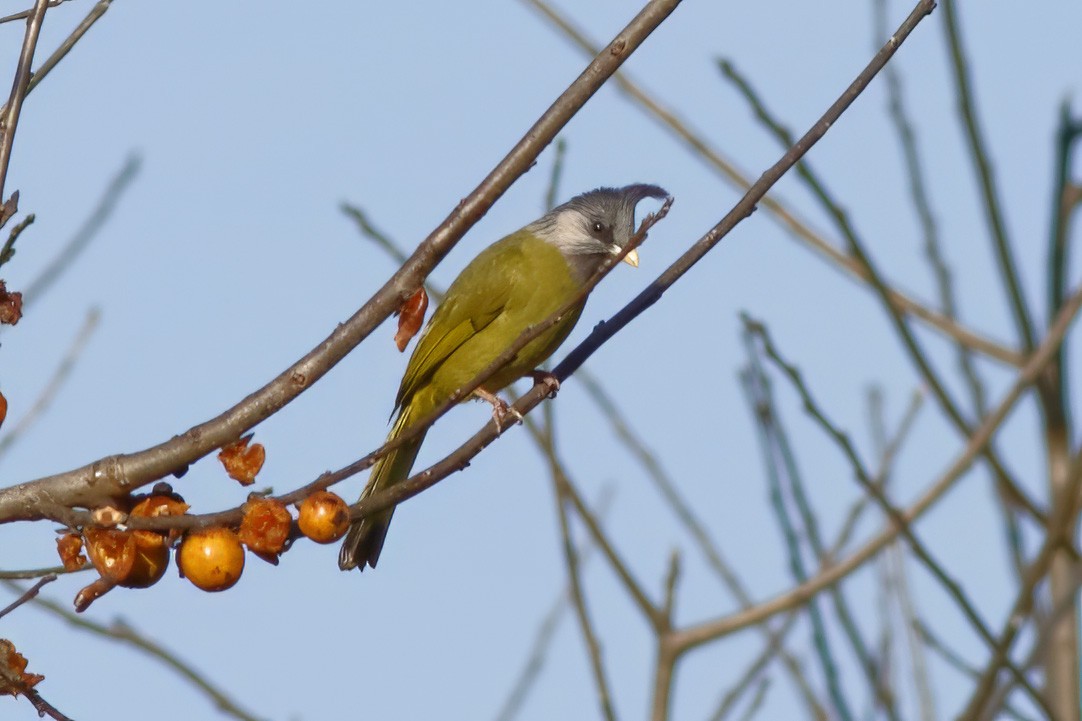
(211, 558)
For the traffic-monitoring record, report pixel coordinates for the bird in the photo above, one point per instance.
(513, 284)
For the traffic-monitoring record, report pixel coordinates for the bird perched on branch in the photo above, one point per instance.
(515, 283)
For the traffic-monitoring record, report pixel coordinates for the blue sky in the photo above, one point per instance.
(229, 258)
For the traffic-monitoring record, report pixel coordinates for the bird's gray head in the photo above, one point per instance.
(594, 225)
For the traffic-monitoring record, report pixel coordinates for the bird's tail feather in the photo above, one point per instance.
(364, 541)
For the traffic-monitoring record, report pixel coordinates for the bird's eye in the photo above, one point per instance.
(599, 227)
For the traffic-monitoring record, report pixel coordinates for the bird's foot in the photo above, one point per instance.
(500, 408)
(546, 379)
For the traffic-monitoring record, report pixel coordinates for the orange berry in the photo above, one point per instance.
(324, 517)
(211, 558)
(265, 526)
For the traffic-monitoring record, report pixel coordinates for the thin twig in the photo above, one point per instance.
(978, 150)
(895, 583)
(28, 595)
(8, 251)
(65, 47)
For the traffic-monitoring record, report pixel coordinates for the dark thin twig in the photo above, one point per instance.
(119, 631)
(43, 707)
(28, 595)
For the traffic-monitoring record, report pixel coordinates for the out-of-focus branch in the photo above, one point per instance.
(1060, 533)
(978, 150)
(1004, 482)
(87, 231)
(63, 370)
(1066, 199)
(120, 631)
(578, 598)
(691, 523)
(778, 211)
(706, 631)
(98, 482)
(547, 628)
(782, 470)
(895, 581)
(841, 439)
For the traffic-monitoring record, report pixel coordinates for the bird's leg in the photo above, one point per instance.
(500, 408)
(546, 379)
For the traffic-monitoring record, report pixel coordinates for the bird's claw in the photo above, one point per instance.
(501, 409)
(548, 380)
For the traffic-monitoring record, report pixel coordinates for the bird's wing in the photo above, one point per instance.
(476, 298)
